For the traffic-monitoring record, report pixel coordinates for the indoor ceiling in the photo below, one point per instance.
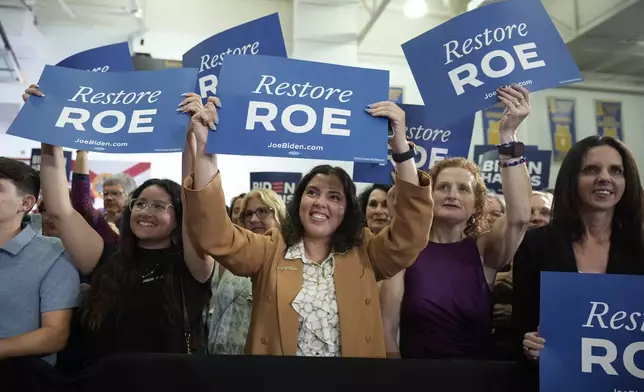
(613, 47)
(93, 12)
(606, 37)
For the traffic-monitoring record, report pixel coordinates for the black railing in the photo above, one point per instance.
(183, 373)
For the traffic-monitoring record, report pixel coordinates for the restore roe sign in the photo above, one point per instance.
(131, 112)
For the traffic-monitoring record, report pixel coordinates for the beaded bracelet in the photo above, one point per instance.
(514, 163)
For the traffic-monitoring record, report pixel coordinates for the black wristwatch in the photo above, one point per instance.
(403, 156)
(512, 149)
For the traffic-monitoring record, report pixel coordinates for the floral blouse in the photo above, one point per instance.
(229, 314)
(319, 334)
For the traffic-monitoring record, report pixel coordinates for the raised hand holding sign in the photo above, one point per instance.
(396, 118)
(517, 108)
(203, 118)
(432, 145)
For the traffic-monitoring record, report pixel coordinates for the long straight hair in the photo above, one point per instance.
(112, 283)
(627, 218)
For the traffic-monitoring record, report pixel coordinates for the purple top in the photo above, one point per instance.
(83, 203)
(447, 304)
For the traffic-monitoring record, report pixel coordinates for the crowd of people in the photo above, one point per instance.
(434, 266)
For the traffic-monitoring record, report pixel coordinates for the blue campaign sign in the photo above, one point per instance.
(261, 36)
(109, 58)
(593, 325)
(459, 65)
(279, 107)
(36, 153)
(538, 165)
(432, 144)
(284, 184)
(111, 112)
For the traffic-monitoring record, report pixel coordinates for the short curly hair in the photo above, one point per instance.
(478, 222)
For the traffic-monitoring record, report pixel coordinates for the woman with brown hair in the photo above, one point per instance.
(443, 302)
(595, 228)
(314, 280)
(373, 205)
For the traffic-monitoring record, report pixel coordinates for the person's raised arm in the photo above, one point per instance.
(81, 186)
(397, 246)
(500, 244)
(200, 266)
(83, 243)
(209, 228)
(391, 294)
(83, 203)
(406, 169)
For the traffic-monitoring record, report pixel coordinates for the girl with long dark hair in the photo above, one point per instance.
(147, 292)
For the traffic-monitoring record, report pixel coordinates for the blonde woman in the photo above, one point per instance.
(231, 305)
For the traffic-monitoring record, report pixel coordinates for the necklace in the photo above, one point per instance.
(149, 273)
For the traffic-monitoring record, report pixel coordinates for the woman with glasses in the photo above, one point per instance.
(232, 297)
(148, 292)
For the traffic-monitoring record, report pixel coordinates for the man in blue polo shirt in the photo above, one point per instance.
(39, 286)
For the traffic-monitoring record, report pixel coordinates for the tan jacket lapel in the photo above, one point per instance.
(289, 284)
(347, 277)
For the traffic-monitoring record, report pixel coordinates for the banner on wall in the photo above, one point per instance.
(491, 120)
(561, 115)
(283, 184)
(432, 144)
(593, 327)
(260, 36)
(100, 170)
(609, 119)
(396, 94)
(130, 112)
(459, 65)
(36, 153)
(109, 58)
(538, 163)
(279, 107)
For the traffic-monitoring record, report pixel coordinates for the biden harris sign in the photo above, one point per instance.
(538, 164)
(593, 325)
(112, 112)
(278, 107)
(459, 65)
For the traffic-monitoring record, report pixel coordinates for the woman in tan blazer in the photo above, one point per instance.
(314, 282)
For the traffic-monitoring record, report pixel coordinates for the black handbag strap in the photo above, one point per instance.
(186, 322)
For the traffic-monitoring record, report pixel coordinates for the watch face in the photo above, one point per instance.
(518, 149)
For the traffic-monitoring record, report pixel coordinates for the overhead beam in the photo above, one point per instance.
(68, 10)
(603, 17)
(372, 20)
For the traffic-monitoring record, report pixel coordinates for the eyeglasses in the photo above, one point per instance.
(111, 193)
(156, 207)
(262, 213)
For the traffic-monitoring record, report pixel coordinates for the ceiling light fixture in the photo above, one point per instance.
(415, 9)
